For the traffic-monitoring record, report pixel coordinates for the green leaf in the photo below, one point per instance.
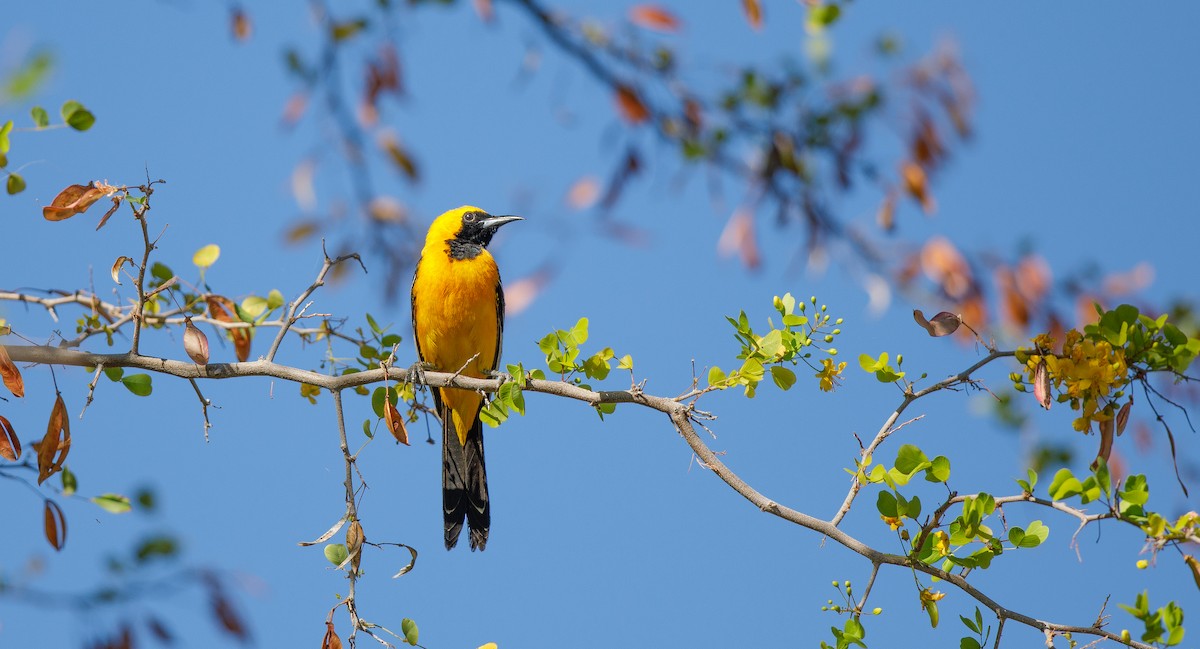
(970, 624)
(113, 503)
(374, 325)
(254, 306)
(625, 362)
(4, 131)
(76, 116)
(939, 471)
(715, 376)
(138, 384)
(579, 333)
(15, 184)
(783, 377)
(409, 629)
(69, 482)
(161, 271)
(40, 118)
(968, 642)
(1064, 485)
(910, 459)
(156, 546)
(336, 553)
(886, 504)
(1035, 535)
(870, 364)
(274, 299)
(114, 373)
(343, 30)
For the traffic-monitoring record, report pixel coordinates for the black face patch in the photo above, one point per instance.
(460, 249)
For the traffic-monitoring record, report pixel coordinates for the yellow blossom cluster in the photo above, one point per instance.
(1088, 374)
(830, 374)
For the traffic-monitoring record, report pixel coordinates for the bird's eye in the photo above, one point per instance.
(470, 217)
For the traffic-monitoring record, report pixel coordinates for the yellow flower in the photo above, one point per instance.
(829, 374)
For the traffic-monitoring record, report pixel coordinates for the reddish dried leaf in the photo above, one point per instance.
(1032, 276)
(331, 639)
(222, 309)
(195, 343)
(1016, 310)
(654, 17)
(972, 310)
(294, 109)
(926, 147)
(1041, 384)
(753, 10)
(301, 231)
(395, 423)
(159, 630)
(886, 216)
(738, 237)
(483, 8)
(10, 444)
(11, 375)
(55, 525)
(75, 199)
(1132, 281)
(583, 193)
(1106, 440)
(942, 324)
(239, 24)
(1123, 416)
(520, 294)
(917, 184)
(227, 617)
(630, 106)
(53, 449)
(116, 202)
(944, 264)
(1085, 310)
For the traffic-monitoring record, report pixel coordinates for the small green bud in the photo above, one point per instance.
(828, 338)
(899, 358)
(832, 351)
(847, 583)
(838, 321)
(835, 585)
(876, 611)
(1142, 564)
(813, 299)
(802, 307)
(823, 307)
(837, 332)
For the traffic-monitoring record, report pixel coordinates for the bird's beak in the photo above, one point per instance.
(494, 222)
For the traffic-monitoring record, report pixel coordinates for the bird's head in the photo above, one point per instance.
(466, 231)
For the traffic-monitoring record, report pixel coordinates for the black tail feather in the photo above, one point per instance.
(464, 485)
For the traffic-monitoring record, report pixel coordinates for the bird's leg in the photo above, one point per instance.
(416, 373)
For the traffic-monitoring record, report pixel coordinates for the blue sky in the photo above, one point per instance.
(604, 533)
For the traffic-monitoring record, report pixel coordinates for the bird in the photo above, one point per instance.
(458, 324)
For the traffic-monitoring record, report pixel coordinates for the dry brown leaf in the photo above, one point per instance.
(195, 343)
(753, 10)
(917, 184)
(1041, 384)
(239, 24)
(331, 639)
(11, 375)
(583, 193)
(75, 199)
(654, 17)
(942, 324)
(300, 231)
(354, 541)
(227, 617)
(400, 157)
(630, 106)
(55, 524)
(1123, 416)
(222, 309)
(1033, 278)
(10, 444)
(116, 203)
(53, 449)
(886, 216)
(1106, 440)
(520, 294)
(1016, 309)
(395, 424)
(117, 265)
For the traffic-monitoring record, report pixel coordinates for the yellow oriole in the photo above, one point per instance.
(458, 320)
